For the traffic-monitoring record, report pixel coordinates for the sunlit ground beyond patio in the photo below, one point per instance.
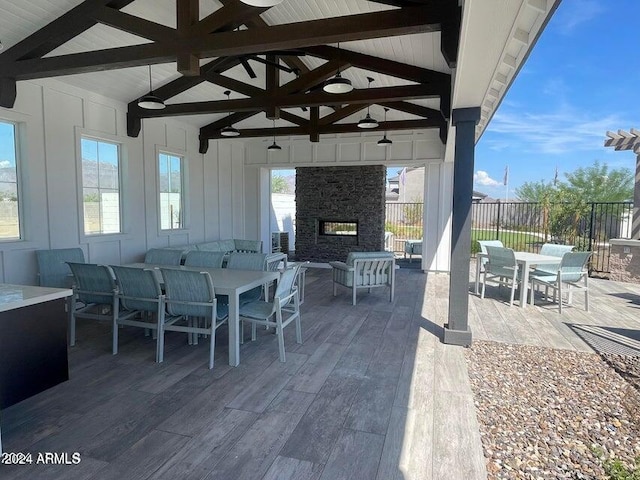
(371, 393)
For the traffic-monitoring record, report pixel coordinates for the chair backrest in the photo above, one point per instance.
(188, 293)
(139, 288)
(286, 283)
(53, 270)
(573, 266)
(247, 261)
(272, 261)
(204, 258)
(488, 243)
(352, 256)
(93, 283)
(374, 270)
(163, 256)
(501, 260)
(555, 250)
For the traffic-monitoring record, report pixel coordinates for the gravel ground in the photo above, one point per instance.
(543, 412)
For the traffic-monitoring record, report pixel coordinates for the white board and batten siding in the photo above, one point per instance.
(51, 118)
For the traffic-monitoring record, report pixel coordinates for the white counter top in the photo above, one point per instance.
(18, 296)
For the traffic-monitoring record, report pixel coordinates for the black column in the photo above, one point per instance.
(457, 331)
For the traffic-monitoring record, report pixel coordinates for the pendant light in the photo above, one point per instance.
(384, 141)
(338, 84)
(274, 145)
(261, 3)
(229, 130)
(367, 121)
(151, 101)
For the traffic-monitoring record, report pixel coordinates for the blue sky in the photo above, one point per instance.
(581, 79)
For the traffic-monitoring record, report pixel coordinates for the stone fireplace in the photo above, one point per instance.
(339, 210)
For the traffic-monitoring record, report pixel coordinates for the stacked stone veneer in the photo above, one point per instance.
(624, 262)
(343, 194)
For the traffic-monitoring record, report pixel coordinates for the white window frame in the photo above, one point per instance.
(122, 160)
(17, 142)
(161, 150)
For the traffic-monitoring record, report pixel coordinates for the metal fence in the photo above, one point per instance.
(525, 226)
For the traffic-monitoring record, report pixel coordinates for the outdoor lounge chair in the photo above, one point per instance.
(571, 271)
(365, 270)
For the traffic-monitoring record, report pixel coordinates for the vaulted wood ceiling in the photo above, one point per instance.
(295, 59)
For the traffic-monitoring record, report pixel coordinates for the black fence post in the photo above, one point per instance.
(498, 222)
(591, 226)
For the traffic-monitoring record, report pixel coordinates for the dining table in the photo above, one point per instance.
(229, 282)
(525, 261)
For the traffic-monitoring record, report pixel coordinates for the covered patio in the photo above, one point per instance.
(372, 393)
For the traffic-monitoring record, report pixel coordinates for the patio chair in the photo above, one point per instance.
(553, 250)
(190, 298)
(272, 264)
(483, 248)
(502, 268)
(53, 270)
(365, 270)
(141, 297)
(284, 309)
(94, 287)
(572, 269)
(163, 256)
(248, 261)
(203, 258)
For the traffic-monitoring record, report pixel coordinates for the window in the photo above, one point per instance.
(171, 191)
(100, 186)
(9, 211)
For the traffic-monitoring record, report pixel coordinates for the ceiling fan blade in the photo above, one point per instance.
(248, 68)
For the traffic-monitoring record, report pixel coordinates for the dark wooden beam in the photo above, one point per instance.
(7, 92)
(233, 14)
(272, 83)
(132, 24)
(314, 99)
(450, 38)
(290, 117)
(327, 129)
(187, 16)
(314, 127)
(134, 125)
(293, 35)
(256, 21)
(341, 113)
(59, 31)
(414, 109)
(381, 65)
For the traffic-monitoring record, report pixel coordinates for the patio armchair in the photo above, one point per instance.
(483, 248)
(140, 296)
(365, 270)
(190, 299)
(572, 270)
(553, 250)
(284, 309)
(53, 270)
(95, 288)
(412, 247)
(163, 256)
(502, 268)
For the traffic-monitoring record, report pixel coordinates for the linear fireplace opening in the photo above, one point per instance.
(338, 227)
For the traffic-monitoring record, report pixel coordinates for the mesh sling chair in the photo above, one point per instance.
(572, 270)
(190, 298)
(140, 295)
(284, 309)
(502, 268)
(94, 287)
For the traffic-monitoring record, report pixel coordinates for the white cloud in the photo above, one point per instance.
(482, 178)
(5, 163)
(574, 13)
(563, 131)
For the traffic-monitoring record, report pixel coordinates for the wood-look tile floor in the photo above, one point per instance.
(371, 393)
